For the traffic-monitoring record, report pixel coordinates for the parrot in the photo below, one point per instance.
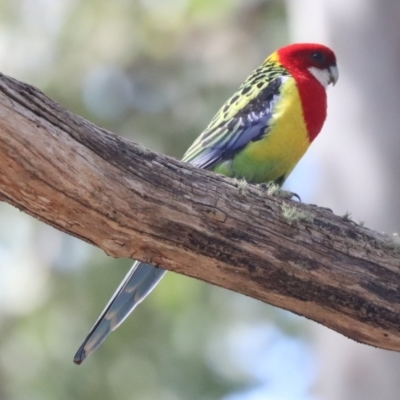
(258, 135)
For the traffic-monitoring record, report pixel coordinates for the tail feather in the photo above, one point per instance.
(137, 284)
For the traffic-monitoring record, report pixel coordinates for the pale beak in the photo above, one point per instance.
(333, 74)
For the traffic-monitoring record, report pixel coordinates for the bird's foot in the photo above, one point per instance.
(275, 190)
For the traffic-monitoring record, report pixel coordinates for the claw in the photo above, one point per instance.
(287, 195)
(274, 189)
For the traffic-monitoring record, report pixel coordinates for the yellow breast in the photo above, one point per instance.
(285, 143)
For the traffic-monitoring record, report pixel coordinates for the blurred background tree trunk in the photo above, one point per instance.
(363, 133)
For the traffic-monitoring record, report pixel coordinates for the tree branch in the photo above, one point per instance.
(132, 202)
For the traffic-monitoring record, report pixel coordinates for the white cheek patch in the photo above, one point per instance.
(321, 75)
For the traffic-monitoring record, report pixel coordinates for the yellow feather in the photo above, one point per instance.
(286, 142)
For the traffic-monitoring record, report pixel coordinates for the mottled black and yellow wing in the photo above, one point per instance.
(245, 117)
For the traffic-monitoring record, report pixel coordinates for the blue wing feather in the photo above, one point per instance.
(249, 124)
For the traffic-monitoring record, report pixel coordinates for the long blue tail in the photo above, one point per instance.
(138, 283)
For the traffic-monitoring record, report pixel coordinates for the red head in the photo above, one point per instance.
(313, 66)
(304, 60)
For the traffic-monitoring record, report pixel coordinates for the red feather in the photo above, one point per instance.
(297, 59)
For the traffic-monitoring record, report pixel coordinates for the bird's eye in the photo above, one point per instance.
(317, 56)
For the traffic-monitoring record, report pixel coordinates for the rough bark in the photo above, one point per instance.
(132, 202)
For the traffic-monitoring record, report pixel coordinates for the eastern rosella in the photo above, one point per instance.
(258, 135)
